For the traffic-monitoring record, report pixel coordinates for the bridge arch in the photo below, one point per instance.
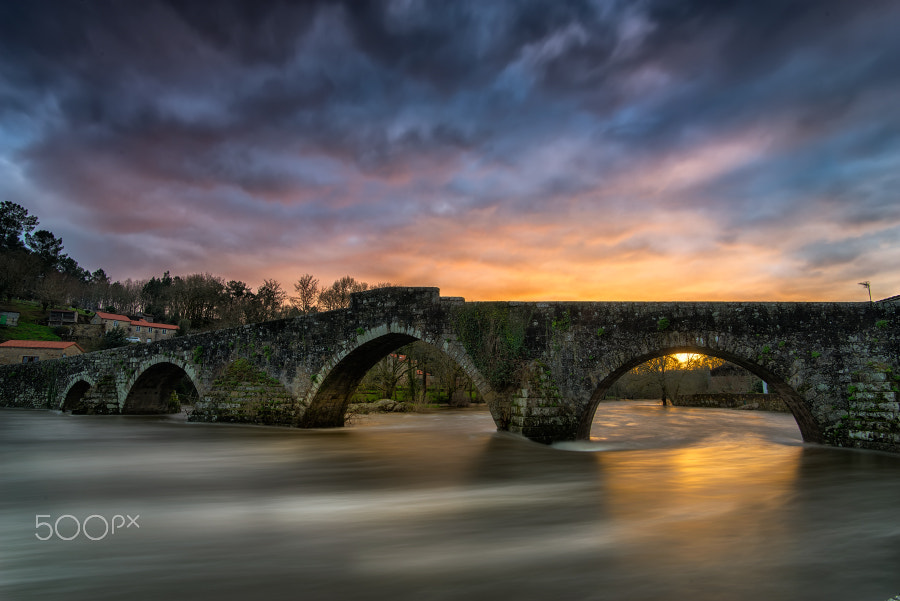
(339, 377)
(149, 389)
(808, 425)
(76, 389)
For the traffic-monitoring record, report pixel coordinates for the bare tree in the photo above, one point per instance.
(337, 296)
(668, 371)
(657, 369)
(51, 289)
(307, 289)
(386, 375)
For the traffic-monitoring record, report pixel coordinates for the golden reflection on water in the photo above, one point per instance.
(716, 479)
(708, 509)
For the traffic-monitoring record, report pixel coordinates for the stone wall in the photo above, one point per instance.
(762, 402)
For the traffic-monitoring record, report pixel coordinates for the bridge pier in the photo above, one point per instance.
(100, 399)
(541, 419)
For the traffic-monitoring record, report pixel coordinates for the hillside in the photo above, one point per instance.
(31, 315)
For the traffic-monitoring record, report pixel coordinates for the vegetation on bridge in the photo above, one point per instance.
(245, 393)
(493, 335)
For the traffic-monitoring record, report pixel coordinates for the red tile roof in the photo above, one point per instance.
(103, 315)
(50, 344)
(163, 326)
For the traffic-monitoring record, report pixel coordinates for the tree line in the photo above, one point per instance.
(34, 267)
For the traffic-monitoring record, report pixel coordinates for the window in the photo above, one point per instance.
(150, 330)
(115, 323)
(137, 329)
(29, 358)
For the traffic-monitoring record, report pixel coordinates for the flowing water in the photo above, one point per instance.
(662, 503)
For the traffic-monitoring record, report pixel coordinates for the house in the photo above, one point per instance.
(110, 321)
(136, 330)
(25, 351)
(150, 332)
(9, 318)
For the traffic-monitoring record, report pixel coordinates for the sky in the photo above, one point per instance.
(596, 150)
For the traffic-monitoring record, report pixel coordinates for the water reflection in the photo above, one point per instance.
(662, 503)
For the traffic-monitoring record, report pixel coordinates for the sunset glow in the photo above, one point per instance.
(550, 150)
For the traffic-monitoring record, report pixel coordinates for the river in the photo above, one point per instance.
(662, 503)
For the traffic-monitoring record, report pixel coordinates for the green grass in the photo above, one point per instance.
(28, 331)
(29, 314)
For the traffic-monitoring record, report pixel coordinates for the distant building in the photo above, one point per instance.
(110, 321)
(137, 330)
(60, 317)
(9, 319)
(150, 332)
(25, 351)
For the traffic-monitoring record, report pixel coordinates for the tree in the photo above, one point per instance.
(18, 269)
(54, 289)
(125, 297)
(668, 371)
(72, 269)
(114, 338)
(338, 295)
(99, 277)
(271, 299)
(237, 290)
(422, 357)
(32, 260)
(657, 370)
(198, 297)
(452, 377)
(238, 304)
(386, 375)
(46, 246)
(15, 225)
(411, 379)
(307, 289)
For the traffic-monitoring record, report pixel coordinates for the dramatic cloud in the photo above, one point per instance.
(543, 149)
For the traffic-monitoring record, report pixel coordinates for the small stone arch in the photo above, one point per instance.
(339, 377)
(148, 391)
(810, 429)
(76, 389)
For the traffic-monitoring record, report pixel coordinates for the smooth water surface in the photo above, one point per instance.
(662, 503)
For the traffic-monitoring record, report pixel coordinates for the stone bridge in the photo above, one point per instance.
(542, 366)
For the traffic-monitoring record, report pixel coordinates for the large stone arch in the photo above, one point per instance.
(809, 427)
(337, 380)
(76, 389)
(148, 390)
